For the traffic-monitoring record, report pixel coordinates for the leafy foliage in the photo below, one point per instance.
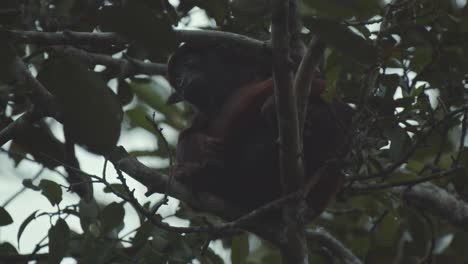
(403, 66)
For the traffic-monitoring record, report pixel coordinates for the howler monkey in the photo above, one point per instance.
(231, 148)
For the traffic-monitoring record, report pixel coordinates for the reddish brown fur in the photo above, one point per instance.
(235, 154)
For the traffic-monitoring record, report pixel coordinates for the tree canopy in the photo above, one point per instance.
(98, 69)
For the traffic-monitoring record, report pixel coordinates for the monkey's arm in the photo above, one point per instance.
(198, 155)
(209, 143)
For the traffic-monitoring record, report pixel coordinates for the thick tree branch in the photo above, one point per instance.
(124, 66)
(293, 244)
(41, 97)
(19, 124)
(437, 201)
(109, 38)
(339, 250)
(292, 172)
(66, 38)
(157, 182)
(11, 258)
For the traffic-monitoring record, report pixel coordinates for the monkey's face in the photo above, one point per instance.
(206, 76)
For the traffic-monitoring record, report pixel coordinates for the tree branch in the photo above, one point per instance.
(41, 97)
(304, 76)
(157, 182)
(293, 245)
(361, 189)
(292, 173)
(438, 201)
(326, 240)
(125, 67)
(109, 38)
(66, 38)
(418, 140)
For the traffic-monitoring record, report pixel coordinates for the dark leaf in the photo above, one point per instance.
(399, 141)
(111, 217)
(91, 111)
(16, 152)
(124, 92)
(24, 224)
(52, 191)
(155, 95)
(30, 185)
(117, 187)
(240, 249)
(88, 211)
(59, 237)
(7, 249)
(38, 140)
(137, 21)
(210, 257)
(5, 218)
(357, 9)
(343, 39)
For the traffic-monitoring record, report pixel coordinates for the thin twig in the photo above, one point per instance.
(335, 246)
(241, 222)
(409, 183)
(171, 161)
(462, 139)
(304, 77)
(412, 149)
(24, 188)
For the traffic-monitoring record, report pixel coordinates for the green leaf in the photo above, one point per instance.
(52, 191)
(25, 223)
(211, 257)
(7, 57)
(264, 254)
(91, 111)
(240, 249)
(7, 249)
(216, 9)
(343, 39)
(88, 211)
(16, 152)
(155, 95)
(59, 238)
(137, 21)
(360, 9)
(30, 185)
(117, 187)
(386, 231)
(5, 217)
(124, 92)
(142, 234)
(399, 141)
(39, 141)
(111, 217)
(421, 57)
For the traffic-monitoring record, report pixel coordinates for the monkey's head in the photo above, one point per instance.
(205, 75)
